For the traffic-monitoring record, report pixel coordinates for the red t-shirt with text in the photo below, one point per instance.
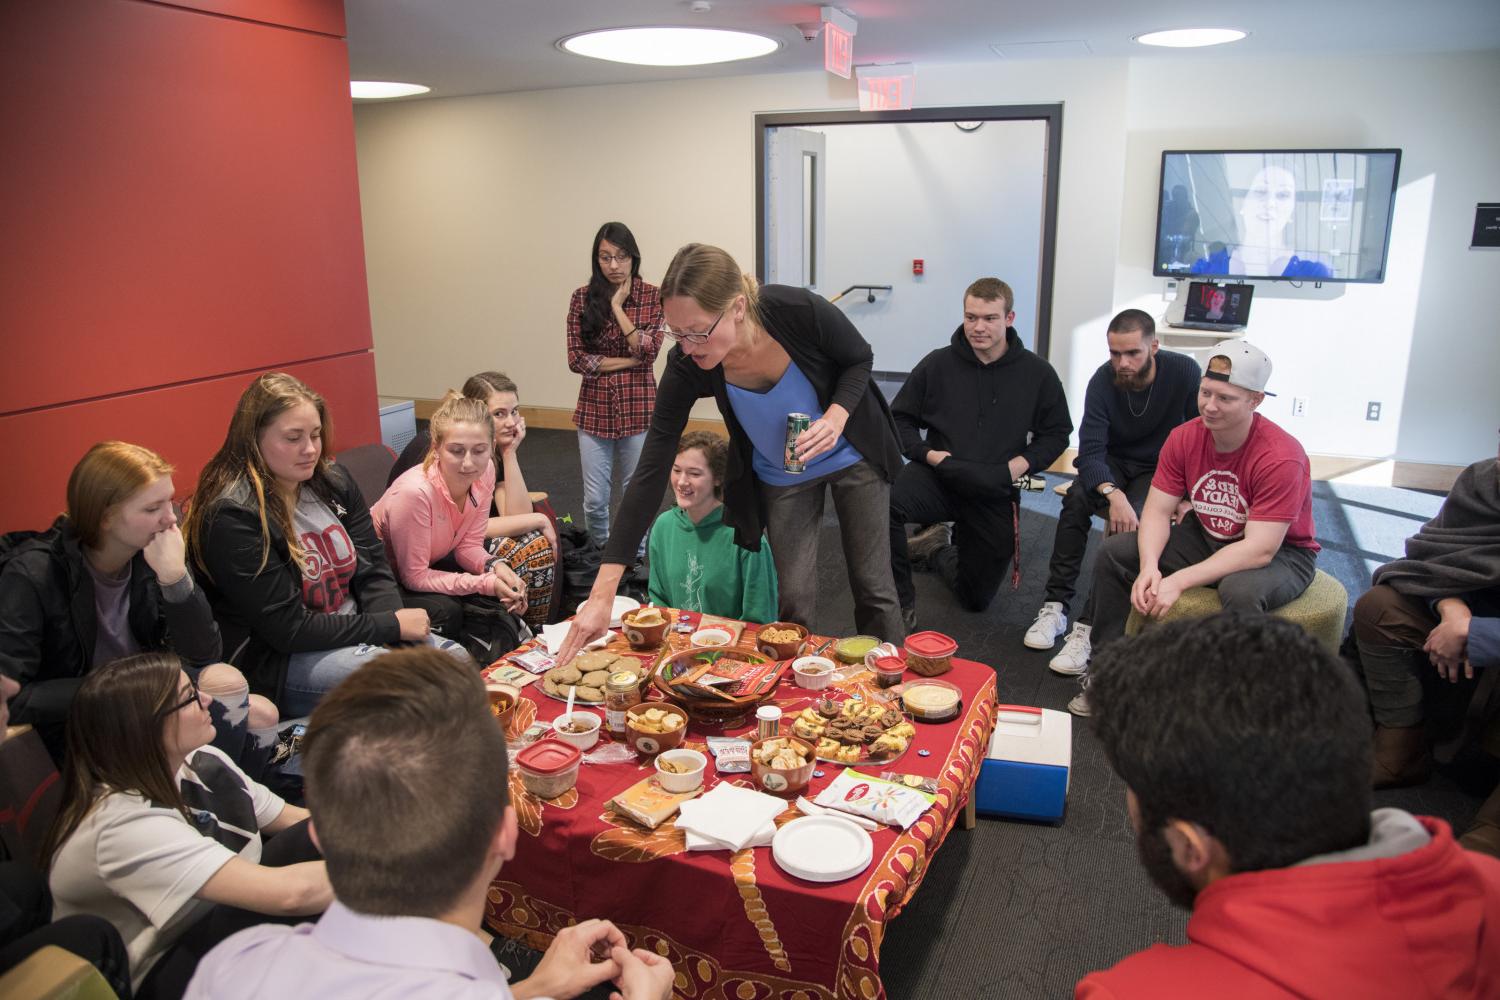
(1268, 478)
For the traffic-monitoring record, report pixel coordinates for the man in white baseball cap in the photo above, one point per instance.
(1230, 507)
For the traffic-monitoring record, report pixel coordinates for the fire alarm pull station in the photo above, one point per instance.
(917, 266)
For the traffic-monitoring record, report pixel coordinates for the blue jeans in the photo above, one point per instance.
(600, 457)
(312, 674)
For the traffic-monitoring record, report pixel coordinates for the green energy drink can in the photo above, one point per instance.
(796, 423)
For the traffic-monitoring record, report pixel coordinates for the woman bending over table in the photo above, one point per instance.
(522, 538)
(155, 828)
(763, 353)
(107, 580)
(695, 564)
(614, 332)
(293, 568)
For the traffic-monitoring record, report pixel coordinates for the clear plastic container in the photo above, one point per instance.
(930, 653)
(549, 767)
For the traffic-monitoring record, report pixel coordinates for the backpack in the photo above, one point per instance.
(489, 631)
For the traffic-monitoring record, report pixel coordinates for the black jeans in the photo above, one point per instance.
(26, 926)
(983, 536)
(1072, 538)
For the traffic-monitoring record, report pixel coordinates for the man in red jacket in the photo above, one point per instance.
(1245, 749)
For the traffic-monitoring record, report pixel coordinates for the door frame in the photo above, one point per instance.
(1049, 113)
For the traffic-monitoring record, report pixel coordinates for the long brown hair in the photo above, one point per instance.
(115, 728)
(484, 385)
(107, 474)
(457, 409)
(239, 461)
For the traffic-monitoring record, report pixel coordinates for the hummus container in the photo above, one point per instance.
(932, 701)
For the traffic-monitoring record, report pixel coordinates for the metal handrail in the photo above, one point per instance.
(872, 289)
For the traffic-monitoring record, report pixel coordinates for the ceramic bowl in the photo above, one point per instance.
(779, 782)
(681, 781)
(781, 650)
(813, 672)
(645, 743)
(644, 636)
(584, 740)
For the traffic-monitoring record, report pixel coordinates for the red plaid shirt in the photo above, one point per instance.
(616, 404)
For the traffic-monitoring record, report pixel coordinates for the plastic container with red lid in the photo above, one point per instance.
(930, 653)
(549, 767)
(889, 670)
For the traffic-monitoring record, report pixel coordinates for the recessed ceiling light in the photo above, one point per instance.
(376, 90)
(1190, 38)
(669, 46)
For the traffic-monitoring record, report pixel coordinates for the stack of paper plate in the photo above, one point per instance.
(822, 848)
(622, 605)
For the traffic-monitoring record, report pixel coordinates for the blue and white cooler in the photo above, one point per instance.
(1025, 773)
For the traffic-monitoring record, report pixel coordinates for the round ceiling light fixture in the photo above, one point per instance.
(669, 46)
(380, 90)
(1190, 38)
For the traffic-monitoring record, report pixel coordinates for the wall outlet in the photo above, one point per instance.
(1299, 407)
(1372, 411)
(1169, 290)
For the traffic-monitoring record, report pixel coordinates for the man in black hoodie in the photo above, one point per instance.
(993, 412)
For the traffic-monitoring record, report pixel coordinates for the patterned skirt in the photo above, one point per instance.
(534, 560)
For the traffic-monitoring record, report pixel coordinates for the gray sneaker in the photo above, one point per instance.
(927, 541)
(1079, 706)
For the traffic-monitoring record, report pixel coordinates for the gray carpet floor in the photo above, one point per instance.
(1014, 909)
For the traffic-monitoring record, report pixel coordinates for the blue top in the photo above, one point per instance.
(1217, 263)
(763, 416)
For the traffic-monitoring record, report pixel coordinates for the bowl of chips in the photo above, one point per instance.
(781, 640)
(654, 726)
(680, 770)
(503, 699)
(782, 765)
(645, 628)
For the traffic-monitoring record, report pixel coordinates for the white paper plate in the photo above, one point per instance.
(822, 849)
(622, 605)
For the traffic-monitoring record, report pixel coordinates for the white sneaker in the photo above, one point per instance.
(1074, 658)
(1050, 623)
(1079, 706)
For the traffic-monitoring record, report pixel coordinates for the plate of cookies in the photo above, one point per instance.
(854, 731)
(588, 672)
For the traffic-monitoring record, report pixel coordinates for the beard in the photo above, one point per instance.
(1156, 857)
(1140, 380)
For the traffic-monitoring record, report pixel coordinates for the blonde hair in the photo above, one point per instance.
(239, 460)
(711, 278)
(456, 408)
(106, 475)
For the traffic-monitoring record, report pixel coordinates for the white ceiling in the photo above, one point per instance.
(494, 46)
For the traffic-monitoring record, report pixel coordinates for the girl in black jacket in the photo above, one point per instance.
(293, 568)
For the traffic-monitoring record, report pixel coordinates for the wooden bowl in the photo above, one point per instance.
(712, 708)
(779, 782)
(647, 744)
(789, 650)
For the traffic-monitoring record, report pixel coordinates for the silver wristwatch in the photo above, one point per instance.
(1106, 489)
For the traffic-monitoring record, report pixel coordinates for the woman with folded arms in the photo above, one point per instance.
(763, 353)
(522, 538)
(432, 520)
(293, 568)
(109, 579)
(155, 827)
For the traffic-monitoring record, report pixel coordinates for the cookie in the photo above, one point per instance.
(590, 693)
(594, 678)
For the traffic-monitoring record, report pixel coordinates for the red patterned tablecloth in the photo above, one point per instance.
(733, 925)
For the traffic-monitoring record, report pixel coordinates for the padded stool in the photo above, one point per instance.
(1319, 609)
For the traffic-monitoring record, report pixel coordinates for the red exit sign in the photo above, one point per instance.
(838, 50)
(887, 88)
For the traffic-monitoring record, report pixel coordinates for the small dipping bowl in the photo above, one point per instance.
(813, 672)
(584, 740)
(647, 744)
(644, 636)
(852, 649)
(711, 637)
(549, 767)
(781, 650)
(503, 700)
(681, 781)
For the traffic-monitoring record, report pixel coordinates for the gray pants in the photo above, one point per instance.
(794, 518)
(1280, 581)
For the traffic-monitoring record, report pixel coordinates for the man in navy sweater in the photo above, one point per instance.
(1132, 403)
(992, 411)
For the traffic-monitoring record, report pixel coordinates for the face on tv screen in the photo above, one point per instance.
(1315, 215)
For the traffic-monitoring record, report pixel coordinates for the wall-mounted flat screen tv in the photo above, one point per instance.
(1296, 214)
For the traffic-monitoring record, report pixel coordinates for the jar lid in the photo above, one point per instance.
(930, 644)
(890, 664)
(548, 756)
(624, 679)
(768, 712)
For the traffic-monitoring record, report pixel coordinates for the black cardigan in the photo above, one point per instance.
(835, 358)
(261, 610)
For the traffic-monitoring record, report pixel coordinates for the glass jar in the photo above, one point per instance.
(621, 692)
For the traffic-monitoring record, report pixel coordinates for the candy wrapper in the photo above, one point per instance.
(731, 754)
(535, 660)
(922, 783)
(881, 800)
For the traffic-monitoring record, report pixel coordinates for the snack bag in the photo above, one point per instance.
(881, 800)
(731, 754)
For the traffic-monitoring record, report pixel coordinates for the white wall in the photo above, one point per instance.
(479, 211)
(969, 204)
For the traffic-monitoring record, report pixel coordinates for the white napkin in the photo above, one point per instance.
(553, 636)
(731, 815)
(698, 842)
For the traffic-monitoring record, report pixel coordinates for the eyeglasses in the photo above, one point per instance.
(191, 698)
(693, 338)
(618, 258)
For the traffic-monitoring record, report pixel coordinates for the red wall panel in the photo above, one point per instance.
(185, 424)
(326, 16)
(179, 197)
